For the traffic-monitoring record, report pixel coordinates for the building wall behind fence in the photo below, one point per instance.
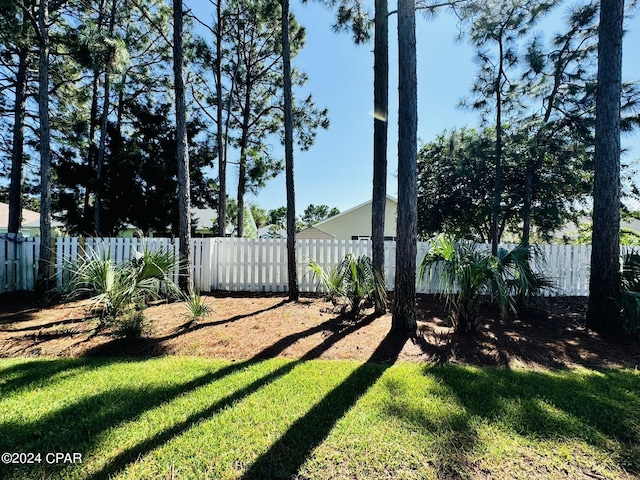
(260, 265)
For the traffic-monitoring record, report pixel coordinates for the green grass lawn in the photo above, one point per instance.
(200, 418)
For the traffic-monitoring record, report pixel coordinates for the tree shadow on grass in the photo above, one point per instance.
(130, 455)
(75, 427)
(285, 457)
(598, 408)
(26, 375)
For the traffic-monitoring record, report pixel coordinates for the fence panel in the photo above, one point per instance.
(6, 280)
(260, 265)
(18, 262)
(29, 254)
(200, 266)
(9, 266)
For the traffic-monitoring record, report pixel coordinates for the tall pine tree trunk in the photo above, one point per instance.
(184, 189)
(380, 126)
(222, 144)
(404, 312)
(97, 206)
(242, 186)
(93, 123)
(93, 150)
(242, 171)
(526, 209)
(43, 281)
(17, 153)
(604, 281)
(288, 149)
(497, 186)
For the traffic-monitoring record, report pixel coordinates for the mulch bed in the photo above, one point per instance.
(246, 326)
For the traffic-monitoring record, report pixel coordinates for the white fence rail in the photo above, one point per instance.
(260, 265)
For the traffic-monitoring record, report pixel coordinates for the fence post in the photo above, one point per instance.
(215, 275)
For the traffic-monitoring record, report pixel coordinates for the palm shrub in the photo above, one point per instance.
(115, 289)
(469, 277)
(463, 274)
(99, 278)
(153, 272)
(630, 292)
(330, 280)
(196, 306)
(514, 283)
(353, 280)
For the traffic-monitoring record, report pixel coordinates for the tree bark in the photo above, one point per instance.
(380, 126)
(526, 209)
(222, 147)
(497, 192)
(242, 185)
(184, 195)
(288, 148)
(404, 313)
(93, 122)
(244, 140)
(92, 151)
(43, 281)
(97, 215)
(17, 153)
(604, 280)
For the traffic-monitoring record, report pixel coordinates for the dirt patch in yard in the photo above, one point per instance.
(249, 326)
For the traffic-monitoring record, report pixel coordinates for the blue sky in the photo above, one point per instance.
(337, 170)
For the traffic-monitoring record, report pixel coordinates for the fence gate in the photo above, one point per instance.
(18, 263)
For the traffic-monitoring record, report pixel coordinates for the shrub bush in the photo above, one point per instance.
(196, 306)
(469, 277)
(119, 289)
(131, 324)
(354, 281)
(630, 293)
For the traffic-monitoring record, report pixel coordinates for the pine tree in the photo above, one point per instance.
(184, 189)
(404, 311)
(604, 279)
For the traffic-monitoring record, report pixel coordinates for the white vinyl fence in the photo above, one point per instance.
(260, 265)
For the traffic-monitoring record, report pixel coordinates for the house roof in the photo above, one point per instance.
(27, 215)
(346, 212)
(570, 229)
(30, 218)
(313, 232)
(206, 217)
(272, 231)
